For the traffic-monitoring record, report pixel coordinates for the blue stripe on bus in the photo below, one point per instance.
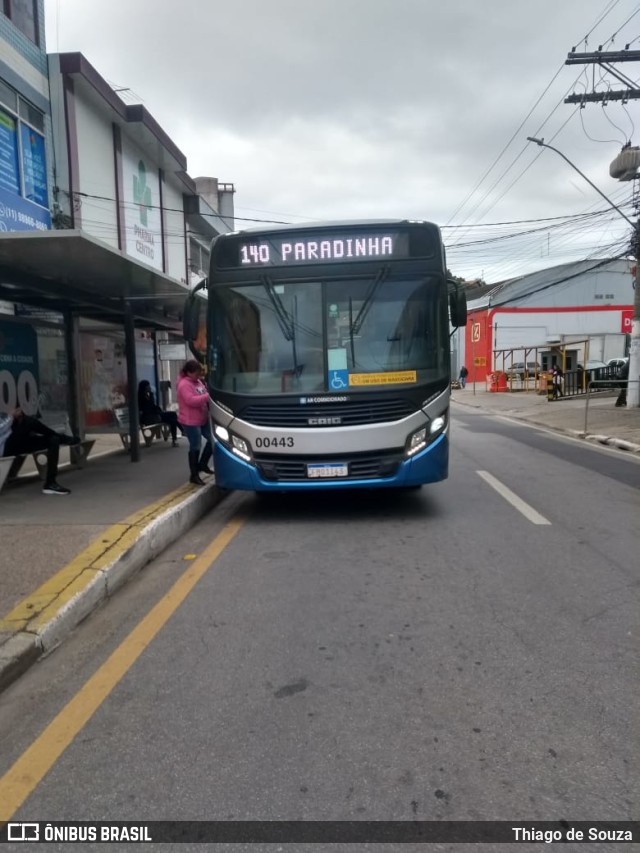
(428, 466)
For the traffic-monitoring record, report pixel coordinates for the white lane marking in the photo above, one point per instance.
(528, 511)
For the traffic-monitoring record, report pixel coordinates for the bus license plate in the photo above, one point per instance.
(327, 470)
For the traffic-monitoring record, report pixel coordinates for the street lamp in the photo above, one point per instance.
(573, 166)
(633, 385)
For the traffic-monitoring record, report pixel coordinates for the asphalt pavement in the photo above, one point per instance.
(594, 419)
(63, 556)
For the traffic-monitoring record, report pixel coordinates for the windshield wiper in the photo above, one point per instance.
(355, 327)
(285, 321)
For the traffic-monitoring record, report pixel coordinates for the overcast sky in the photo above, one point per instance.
(336, 109)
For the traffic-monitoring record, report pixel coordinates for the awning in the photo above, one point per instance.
(70, 270)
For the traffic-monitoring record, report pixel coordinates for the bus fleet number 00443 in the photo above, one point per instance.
(284, 441)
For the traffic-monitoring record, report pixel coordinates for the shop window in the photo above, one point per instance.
(10, 174)
(23, 154)
(24, 15)
(8, 97)
(31, 115)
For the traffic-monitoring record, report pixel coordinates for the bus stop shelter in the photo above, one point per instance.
(75, 275)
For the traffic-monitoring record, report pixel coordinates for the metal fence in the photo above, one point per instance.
(595, 384)
(574, 382)
(577, 382)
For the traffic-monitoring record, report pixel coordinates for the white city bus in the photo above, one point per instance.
(327, 355)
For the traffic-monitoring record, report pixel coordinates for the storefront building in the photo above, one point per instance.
(32, 348)
(96, 246)
(583, 309)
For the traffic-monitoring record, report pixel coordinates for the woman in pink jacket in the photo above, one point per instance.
(193, 414)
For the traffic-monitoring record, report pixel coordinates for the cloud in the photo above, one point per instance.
(369, 108)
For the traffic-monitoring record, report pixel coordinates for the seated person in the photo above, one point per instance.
(151, 413)
(21, 434)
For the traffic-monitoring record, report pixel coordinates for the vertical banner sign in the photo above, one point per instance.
(9, 172)
(475, 349)
(34, 166)
(103, 377)
(626, 321)
(142, 215)
(18, 368)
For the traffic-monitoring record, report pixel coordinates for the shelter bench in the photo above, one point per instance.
(78, 454)
(149, 432)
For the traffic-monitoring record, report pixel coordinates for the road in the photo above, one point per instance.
(461, 652)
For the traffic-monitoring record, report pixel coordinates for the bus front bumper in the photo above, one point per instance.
(428, 466)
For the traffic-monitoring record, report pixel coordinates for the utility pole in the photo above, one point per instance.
(624, 168)
(633, 387)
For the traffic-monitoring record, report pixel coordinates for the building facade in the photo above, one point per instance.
(583, 309)
(102, 232)
(25, 126)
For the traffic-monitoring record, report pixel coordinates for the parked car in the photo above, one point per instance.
(518, 369)
(618, 364)
(600, 371)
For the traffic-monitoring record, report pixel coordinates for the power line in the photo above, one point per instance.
(606, 12)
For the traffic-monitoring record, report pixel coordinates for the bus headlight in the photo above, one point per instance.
(437, 425)
(240, 447)
(417, 441)
(233, 442)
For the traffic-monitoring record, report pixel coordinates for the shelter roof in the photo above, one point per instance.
(70, 270)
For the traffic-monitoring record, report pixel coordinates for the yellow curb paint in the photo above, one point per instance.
(166, 502)
(47, 613)
(124, 543)
(114, 541)
(35, 762)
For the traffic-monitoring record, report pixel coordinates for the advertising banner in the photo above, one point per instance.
(626, 321)
(18, 214)
(19, 376)
(142, 216)
(9, 172)
(103, 377)
(34, 166)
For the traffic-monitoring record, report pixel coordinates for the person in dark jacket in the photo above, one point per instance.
(556, 378)
(151, 413)
(21, 434)
(623, 374)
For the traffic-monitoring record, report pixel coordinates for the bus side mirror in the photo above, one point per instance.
(457, 304)
(192, 312)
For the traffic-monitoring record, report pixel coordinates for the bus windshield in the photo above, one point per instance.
(306, 337)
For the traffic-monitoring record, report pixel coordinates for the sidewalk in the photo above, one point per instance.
(62, 556)
(599, 422)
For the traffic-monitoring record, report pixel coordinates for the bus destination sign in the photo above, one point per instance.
(308, 249)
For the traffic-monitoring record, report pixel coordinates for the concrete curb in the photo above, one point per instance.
(612, 441)
(95, 575)
(608, 441)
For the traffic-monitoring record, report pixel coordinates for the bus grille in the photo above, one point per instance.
(344, 414)
(360, 466)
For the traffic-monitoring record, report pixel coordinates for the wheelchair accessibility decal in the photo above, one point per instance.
(341, 379)
(338, 379)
